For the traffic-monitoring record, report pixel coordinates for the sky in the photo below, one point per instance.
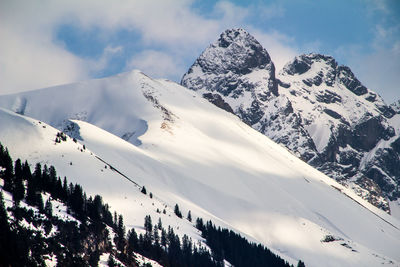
(45, 43)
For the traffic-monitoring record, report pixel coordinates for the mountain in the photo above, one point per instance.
(316, 108)
(396, 106)
(186, 151)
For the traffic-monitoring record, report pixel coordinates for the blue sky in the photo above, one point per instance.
(53, 42)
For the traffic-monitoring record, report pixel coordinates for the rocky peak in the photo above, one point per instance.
(396, 106)
(236, 51)
(234, 54)
(303, 63)
(347, 78)
(316, 69)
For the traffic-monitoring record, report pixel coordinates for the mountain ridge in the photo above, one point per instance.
(320, 111)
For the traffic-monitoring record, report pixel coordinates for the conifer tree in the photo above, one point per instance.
(45, 179)
(163, 238)
(144, 191)
(301, 264)
(111, 262)
(39, 202)
(31, 192)
(65, 189)
(121, 227)
(18, 185)
(8, 172)
(159, 224)
(148, 226)
(52, 179)
(133, 240)
(26, 171)
(4, 233)
(48, 208)
(177, 211)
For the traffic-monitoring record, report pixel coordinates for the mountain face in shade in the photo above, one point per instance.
(316, 108)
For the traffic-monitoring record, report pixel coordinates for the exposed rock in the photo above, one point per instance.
(217, 100)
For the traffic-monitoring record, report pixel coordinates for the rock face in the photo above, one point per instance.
(316, 108)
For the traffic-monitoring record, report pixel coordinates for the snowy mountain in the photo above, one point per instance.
(396, 106)
(318, 110)
(187, 151)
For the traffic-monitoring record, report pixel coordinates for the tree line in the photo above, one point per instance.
(81, 242)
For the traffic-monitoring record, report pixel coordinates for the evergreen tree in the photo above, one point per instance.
(26, 171)
(45, 179)
(156, 236)
(144, 191)
(301, 264)
(39, 202)
(189, 216)
(48, 208)
(120, 240)
(95, 208)
(111, 262)
(4, 233)
(177, 211)
(94, 258)
(133, 241)
(37, 177)
(121, 227)
(77, 200)
(159, 224)
(58, 190)
(32, 192)
(18, 169)
(148, 226)
(3, 213)
(18, 185)
(107, 216)
(8, 173)
(163, 238)
(52, 179)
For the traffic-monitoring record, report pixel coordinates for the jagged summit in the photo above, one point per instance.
(303, 63)
(235, 53)
(240, 51)
(396, 106)
(314, 70)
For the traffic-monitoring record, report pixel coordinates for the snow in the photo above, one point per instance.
(320, 135)
(204, 159)
(395, 208)
(352, 108)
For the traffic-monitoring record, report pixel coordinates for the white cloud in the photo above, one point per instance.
(31, 57)
(29, 62)
(156, 64)
(279, 47)
(101, 63)
(380, 71)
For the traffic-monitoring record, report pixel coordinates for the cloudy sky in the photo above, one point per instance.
(46, 42)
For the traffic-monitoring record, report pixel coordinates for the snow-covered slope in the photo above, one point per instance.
(319, 110)
(203, 158)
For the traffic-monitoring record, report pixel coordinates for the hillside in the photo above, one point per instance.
(185, 150)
